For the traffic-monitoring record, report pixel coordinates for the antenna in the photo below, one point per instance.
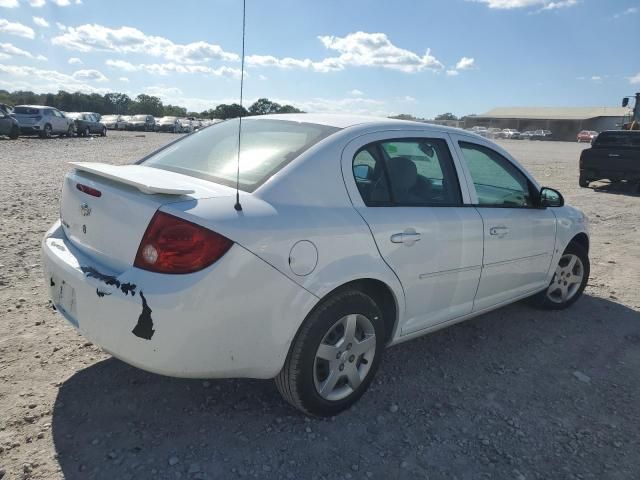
(237, 206)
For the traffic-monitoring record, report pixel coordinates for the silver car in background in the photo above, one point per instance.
(43, 121)
(114, 122)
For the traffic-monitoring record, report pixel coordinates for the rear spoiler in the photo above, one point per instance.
(146, 179)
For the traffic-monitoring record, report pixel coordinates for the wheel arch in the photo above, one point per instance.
(581, 239)
(380, 292)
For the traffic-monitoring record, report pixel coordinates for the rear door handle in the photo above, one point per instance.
(614, 155)
(408, 237)
(499, 231)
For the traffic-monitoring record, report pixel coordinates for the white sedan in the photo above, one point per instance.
(351, 234)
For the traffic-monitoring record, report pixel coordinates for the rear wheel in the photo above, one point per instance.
(568, 282)
(583, 182)
(46, 132)
(70, 131)
(334, 356)
(14, 133)
(103, 133)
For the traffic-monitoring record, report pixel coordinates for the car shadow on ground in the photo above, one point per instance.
(514, 392)
(619, 188)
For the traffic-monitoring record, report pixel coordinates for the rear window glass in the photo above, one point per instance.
(267, 146)
(618, 139)
(26, 111)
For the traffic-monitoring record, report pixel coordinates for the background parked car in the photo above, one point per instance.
(542, 135)
(114, 122)
(8, 125)
(142, 122)
(168, 124)
(494, 132)
(185, 125)
(44, 121)
(526, 135)
(587, 136)
(87, 123)
(511, 134)
(482, 131)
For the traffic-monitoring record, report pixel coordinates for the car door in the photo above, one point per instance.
(406, 188)
(59, 122)
(5, 123)
(519, 237)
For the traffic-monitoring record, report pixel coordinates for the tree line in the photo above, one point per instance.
(122, 104)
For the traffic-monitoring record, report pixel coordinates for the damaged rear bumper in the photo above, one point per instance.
(236, 318)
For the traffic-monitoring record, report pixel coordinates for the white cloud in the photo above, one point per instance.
(465, 63)
(408, 99)
(596, 78)
(123, 79)
(75, 61)
(8, 3)
(37, 3)
(166, 68)
(15, 28)
(89, 75)
(628, 11)
(356, 93)
(635, 80)
(43, 81)
(10, 50)
(453, 73)
(359, 49)
(513, 4)
(41, 22)
(89, 37)
(163, 91)
(376, 50)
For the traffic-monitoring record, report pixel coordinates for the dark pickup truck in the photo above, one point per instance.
(614, 155)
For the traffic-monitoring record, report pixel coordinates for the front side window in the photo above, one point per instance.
(497, 181)
(407, 172)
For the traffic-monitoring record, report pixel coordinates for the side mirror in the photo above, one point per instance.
(625, 101)
(550, 198)
(362, 172)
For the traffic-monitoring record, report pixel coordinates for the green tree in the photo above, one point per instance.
(224, 111)
(404, 116)
(446, 116)
(146, 104)
(117, 103)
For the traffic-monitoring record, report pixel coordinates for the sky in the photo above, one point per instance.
(350, 56)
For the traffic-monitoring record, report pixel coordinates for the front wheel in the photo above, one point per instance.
(568, 282)
(103, 133)
(334, 356)
(70, 131)
(583, 182)
(15, 133)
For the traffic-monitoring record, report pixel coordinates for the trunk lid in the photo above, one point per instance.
(109, 227)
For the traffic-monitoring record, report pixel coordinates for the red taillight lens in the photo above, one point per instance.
(174, 245)
(88, 190)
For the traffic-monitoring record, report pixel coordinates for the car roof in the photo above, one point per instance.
(345, 121)
(43, 107)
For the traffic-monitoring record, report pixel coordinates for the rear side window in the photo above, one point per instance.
(407, 172)
(617, 139)
(267, 146)
(26, 111)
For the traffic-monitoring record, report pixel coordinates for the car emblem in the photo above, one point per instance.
(85, 210)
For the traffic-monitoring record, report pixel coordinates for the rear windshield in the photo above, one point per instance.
(267, 146)
(618, 139)
(26, 111)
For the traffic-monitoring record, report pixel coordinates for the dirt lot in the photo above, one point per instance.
(515, 394)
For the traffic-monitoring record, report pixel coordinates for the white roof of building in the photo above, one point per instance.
(556, 113)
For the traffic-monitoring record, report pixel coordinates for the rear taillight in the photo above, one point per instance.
(88, 190)
(174, 245)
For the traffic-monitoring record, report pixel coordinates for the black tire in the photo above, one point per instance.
(70, 131)
(86, 132)
(46, 133)
(296, 379)
(542, 301)
(14, 133)
(583, 182)
(103, 133)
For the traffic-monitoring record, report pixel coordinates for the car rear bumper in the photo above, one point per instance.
(30, 129)
(236, 318)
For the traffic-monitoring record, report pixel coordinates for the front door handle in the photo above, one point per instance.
(408, 237)
(499, 231)
(614, 155)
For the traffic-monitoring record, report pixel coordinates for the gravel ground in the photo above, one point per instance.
(514, 394)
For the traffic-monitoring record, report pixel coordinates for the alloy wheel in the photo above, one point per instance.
(567, 279)
(344, 357)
